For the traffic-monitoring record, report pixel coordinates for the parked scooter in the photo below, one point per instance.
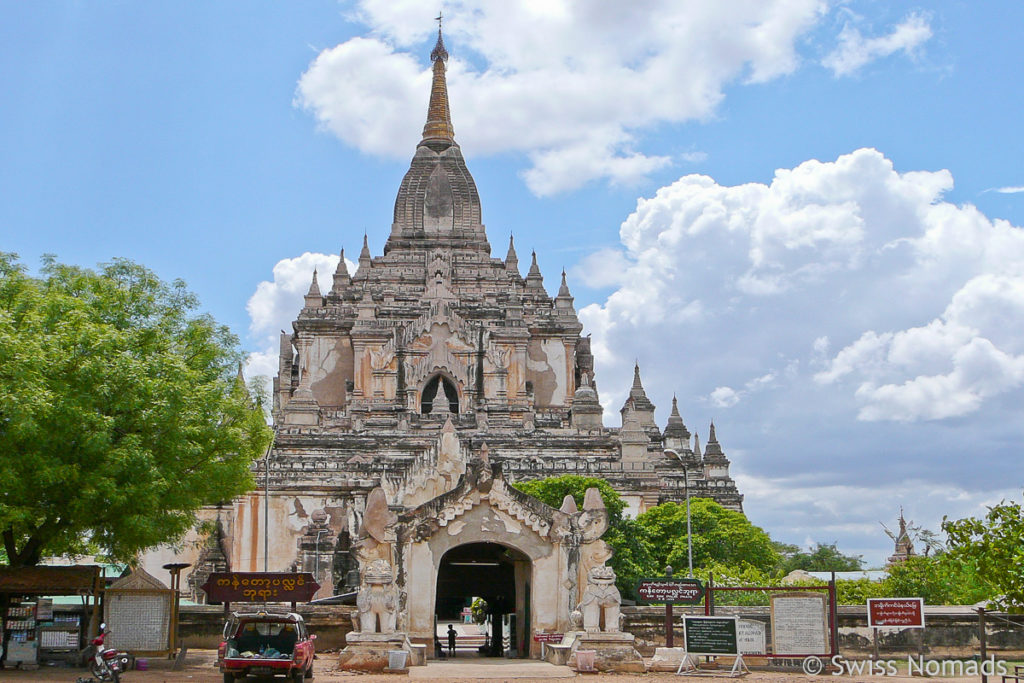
(106, 664)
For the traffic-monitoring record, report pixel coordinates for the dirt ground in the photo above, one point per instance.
(200, 668)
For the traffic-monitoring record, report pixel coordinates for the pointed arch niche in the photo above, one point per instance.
(438, 390)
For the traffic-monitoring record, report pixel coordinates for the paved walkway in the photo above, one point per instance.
(484, 669)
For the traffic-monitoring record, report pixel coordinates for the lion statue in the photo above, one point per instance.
(600, 594)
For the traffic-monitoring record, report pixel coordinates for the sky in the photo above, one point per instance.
(801, 217)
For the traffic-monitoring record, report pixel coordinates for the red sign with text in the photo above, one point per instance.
(896, 612)
(260, 587)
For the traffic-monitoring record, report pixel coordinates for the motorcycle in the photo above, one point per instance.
(106, 664)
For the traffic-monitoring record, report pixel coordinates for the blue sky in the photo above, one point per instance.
(852, 322)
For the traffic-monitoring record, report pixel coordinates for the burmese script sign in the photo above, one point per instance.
(799, 624)
(901, 612)
(548, 637)
(260, 587)
(679, 591)
(710, 635)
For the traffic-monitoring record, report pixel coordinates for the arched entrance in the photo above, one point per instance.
(500, 576)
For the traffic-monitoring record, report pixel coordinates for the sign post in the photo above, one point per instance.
(894, 613)
(711, 636)
(670, 591)
(228, 587)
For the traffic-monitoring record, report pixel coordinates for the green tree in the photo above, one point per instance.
(721, 536)
(823, 557)
(553, 490)
(120, 413)
(940, 579)
(992, 545)
(631, 557)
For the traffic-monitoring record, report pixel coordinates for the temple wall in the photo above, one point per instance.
(546, 368)
(331, 365)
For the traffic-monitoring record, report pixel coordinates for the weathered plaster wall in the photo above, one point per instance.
(331, 366)
(546, 368)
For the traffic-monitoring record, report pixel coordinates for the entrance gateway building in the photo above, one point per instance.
(410, 395)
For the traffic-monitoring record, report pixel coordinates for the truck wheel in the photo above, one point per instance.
(309, 671)
(298, 676)
(229, 678)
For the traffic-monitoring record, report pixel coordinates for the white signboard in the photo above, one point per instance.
(750, 637)
(799, 624)
(138, 620)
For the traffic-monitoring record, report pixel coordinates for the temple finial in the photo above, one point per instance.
(439, 120)
(313, 298)
(563, 290)
(341, 277)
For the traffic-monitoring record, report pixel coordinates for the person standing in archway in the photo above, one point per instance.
(451, 640)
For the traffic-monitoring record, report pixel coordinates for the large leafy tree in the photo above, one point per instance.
(993, 546)
(120, 415)
(720, 536)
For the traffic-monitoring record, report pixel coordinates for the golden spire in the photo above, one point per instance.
(439, 120)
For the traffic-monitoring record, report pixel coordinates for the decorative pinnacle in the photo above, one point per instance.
(365, 253)
(711, 434)
(439, 51)
(439, 120)
(563, 290)
(511, 255)
(534, 268)
(314, 286)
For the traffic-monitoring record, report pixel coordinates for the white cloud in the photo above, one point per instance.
(724, 397)
(855, 51)
(1015, 189)
(276, 303)
(570, 85)
(809, 510)
(919, 296)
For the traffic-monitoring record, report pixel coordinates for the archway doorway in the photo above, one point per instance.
(500, 577)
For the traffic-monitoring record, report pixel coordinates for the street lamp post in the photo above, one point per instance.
(686, 489)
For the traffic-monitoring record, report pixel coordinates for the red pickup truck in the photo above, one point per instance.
(265, 644)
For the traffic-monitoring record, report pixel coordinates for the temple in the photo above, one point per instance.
(430, 366)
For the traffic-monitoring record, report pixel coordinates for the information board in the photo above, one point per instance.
(799, 624)
(710, 635)
(678, 591)
(896, 612)
(750, 637)
(139, 620)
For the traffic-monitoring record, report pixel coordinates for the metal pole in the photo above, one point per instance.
(266, 502)
(668, 614)
(982, 642)
(689, 536)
